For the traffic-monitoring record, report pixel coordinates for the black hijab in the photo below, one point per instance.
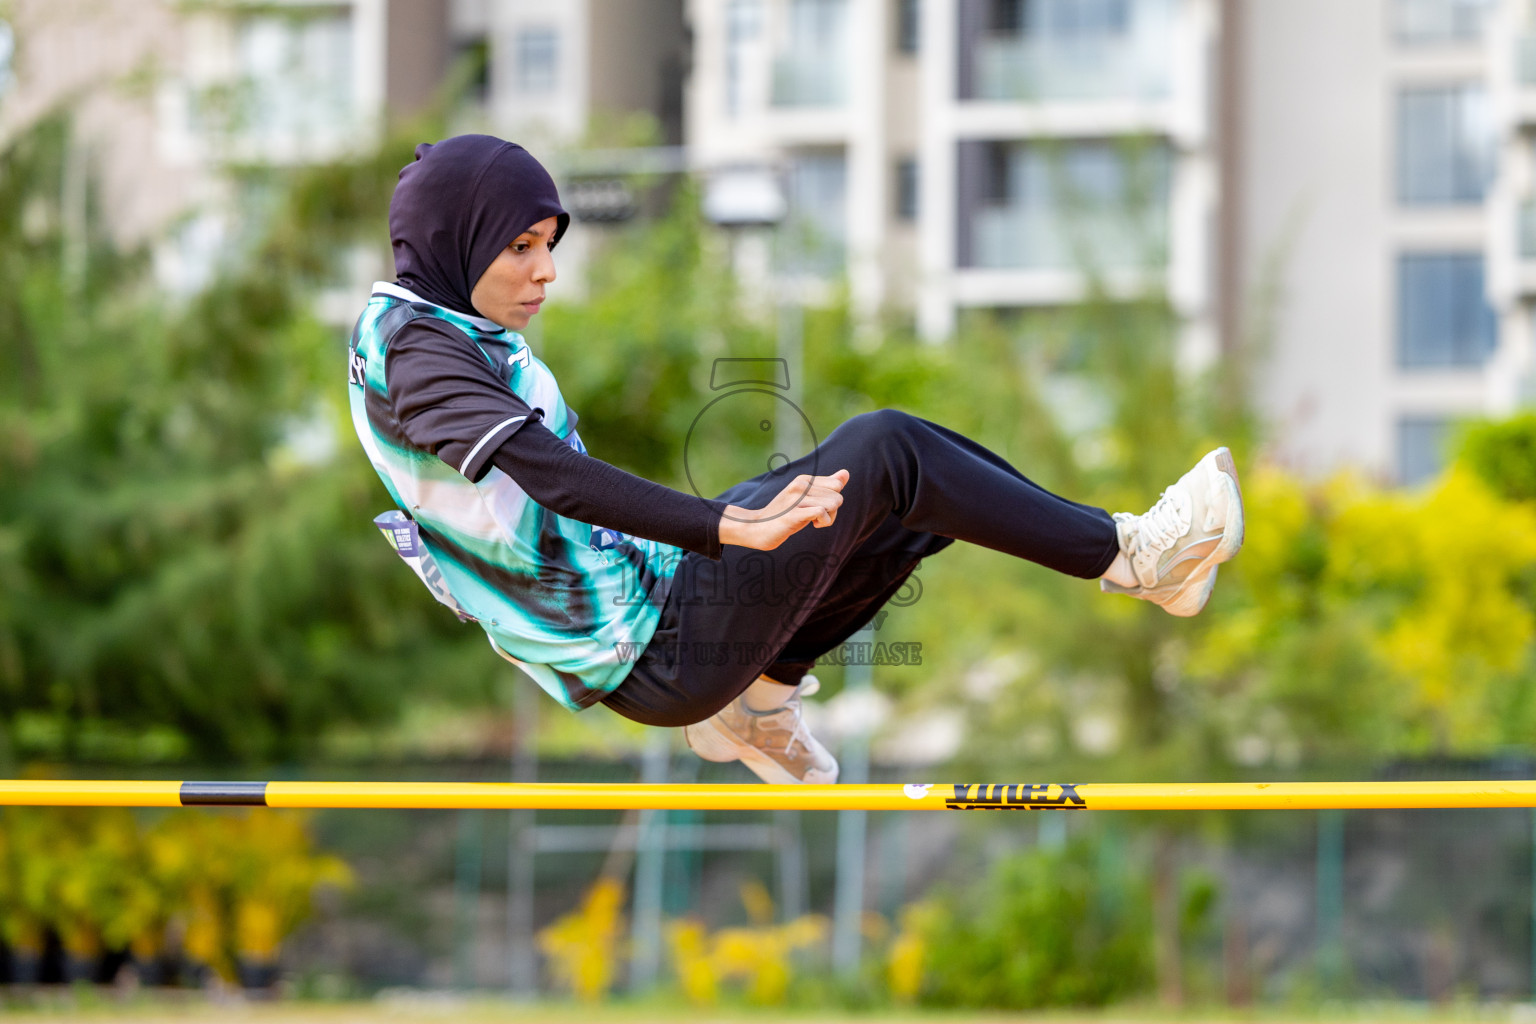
(457, 206)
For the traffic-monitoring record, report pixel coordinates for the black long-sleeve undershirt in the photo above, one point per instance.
(448, 399)
(590, 490)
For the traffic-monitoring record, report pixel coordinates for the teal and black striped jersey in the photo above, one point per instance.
(570, 603)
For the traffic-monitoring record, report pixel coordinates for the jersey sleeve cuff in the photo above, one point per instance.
(713, 548)
(478, 461)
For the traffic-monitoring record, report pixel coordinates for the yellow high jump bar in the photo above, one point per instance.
(1200, 796)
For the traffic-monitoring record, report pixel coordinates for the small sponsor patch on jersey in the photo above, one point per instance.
(604, 538)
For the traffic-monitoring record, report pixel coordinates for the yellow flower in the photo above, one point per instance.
(909, 951)
(691, 960)
(583, 945)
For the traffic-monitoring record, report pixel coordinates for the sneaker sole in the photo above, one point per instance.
(1234, 536)
(1188, 601)
(712, 743)
(1192, 601)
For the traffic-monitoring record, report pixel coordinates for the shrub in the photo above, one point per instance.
(232, 885)
(1045, 928)
(1503, 454)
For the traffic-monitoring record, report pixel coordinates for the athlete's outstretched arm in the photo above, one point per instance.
(581, 487)
(590, 490)
(447, 399)
(584, 488)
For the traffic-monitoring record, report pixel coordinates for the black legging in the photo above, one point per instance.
(914, 488)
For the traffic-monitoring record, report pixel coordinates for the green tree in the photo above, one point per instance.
(173, 562)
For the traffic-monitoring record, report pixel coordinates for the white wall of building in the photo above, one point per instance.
(1317, 182)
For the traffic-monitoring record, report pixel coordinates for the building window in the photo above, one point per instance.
(908, 24)
(1005, 17)
(1037, 50)
(1419, 22)
(817, 192)
(810, 64)
(1059, 19)
(1444, 145)
(1092, 204)
(290, 96)
(1420, 448)
(1076, 19)
(188, 257)
(1444, 320)
(1525, 229)
(7, 50)
(906, 189)
(538, 60)
(743, 24)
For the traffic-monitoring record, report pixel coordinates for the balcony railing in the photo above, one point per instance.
(1119, 67)
(1034, 238)
(800, 81)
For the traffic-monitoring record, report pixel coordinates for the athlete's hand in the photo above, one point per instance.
(805, 500)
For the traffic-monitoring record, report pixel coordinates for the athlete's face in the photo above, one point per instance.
(510, 290)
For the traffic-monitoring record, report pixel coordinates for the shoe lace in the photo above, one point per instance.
(807, 686)
(1160, 526)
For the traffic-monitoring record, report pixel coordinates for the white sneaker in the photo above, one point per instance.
(775, 744)
(1175, 547)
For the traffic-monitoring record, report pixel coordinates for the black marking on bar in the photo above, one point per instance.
(1017, 797)
(223, 794)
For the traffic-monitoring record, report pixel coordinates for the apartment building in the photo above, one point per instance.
(937, 145)
(554, 68)
(803, 90)
(1355, 183)
(164, 96)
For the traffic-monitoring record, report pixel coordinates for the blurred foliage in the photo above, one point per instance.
(1503, 454)
(1047, 927)
(171, 558)
(1370, 623)
(216, 889)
